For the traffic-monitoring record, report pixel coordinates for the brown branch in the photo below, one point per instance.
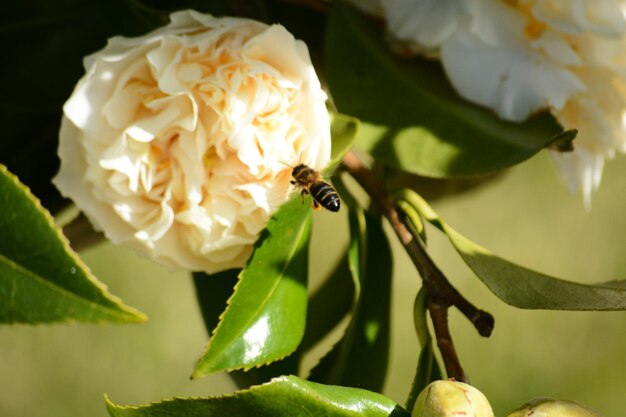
(441, 295)
(439, 316)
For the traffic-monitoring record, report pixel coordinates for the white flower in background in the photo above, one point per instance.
(174, 142)
(518, 57)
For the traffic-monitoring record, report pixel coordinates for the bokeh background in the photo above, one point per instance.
(525, 215)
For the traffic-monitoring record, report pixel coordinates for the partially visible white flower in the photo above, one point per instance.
(518, 57)
(175, 142)
(424, 26)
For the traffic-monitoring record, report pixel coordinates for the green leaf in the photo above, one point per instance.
(287, 396)
(413, 217)
(265, 317)
(329, 304)
(343, 130)
(522, 287)
(42, 280)
(412, 119)
(360, 358)
(213, 292)
(428, 369)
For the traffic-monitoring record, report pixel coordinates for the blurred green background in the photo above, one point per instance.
(526, 215)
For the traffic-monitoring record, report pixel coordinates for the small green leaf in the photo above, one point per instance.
(428, 369)
(419, 317)
(414, 218)
(343, 130)
(360, 358)
(287, 396)
(522, 287)
(412, 119)
(265, 317)
(42, 280)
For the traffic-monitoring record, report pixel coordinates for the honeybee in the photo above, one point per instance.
(310, 182)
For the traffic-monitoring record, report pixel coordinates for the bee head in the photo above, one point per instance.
(298, 169)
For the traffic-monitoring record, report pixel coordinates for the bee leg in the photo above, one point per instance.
(303, 193)
(292, 182)
(316, 206)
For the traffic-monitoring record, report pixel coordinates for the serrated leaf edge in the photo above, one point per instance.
(65, 293)
(283, 379)
(131, 313)
(196, 373)
(278, 379)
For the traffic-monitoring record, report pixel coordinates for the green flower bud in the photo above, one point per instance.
(546, 407)
(451, 399)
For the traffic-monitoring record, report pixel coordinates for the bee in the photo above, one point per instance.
(311, 182)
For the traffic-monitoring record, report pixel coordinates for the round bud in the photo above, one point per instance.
(546, 407)
(449, 399)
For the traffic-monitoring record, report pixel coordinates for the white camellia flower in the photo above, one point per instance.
(518, 57)
(176, 142)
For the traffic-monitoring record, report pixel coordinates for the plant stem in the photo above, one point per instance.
(441, 295)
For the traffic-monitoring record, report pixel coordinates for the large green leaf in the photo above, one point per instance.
(265, 317)
(287, 396)
(522, 287)
(412, 118)
(41, 279)
(360, 358)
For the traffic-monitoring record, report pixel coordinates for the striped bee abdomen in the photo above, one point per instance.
(325, 195)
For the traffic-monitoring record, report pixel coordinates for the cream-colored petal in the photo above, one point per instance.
(428, 23)
(172, 140)
(512, 80)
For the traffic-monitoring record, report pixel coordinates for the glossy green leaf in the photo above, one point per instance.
(213, 292)
(42, 279)
(287, 396)
(522, 287)
(412, 119)
(343, 130)
(265, 317)
(428, 369)
(360, 358)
